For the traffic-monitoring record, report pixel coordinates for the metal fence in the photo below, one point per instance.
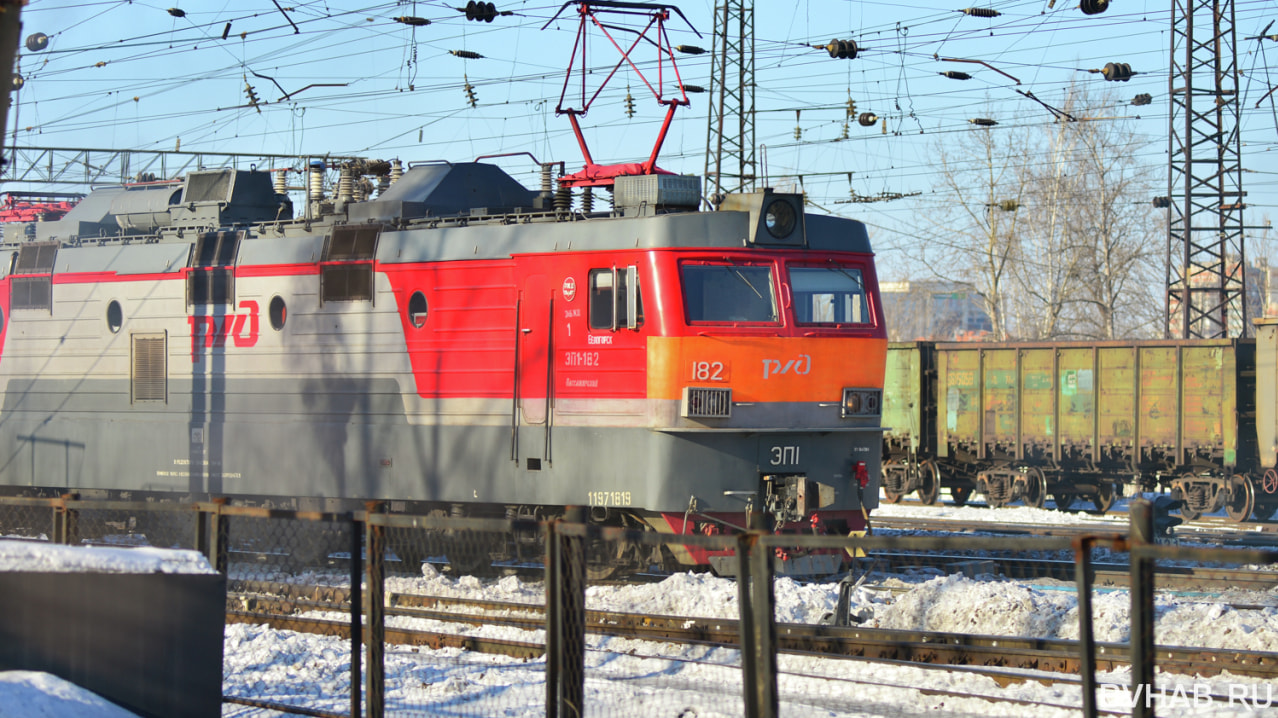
(397, 618)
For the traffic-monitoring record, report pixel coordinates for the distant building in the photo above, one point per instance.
(935, 310)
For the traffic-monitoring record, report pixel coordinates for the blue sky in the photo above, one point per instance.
(133, 75)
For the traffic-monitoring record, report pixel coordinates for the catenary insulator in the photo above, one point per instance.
(980, 12)
(466, 54)
(1117, 71)
(281, 181)
(18, 81)
(1093, 7)
(481, 11)
(1009, 205)
(412, 20)
(630, 104)
(844, 135)
(955, 75)
(694, 89)
(1162, 202)
(841, 49)
(37, 41)
(1142, 99)
(177, 12)
(689, 49)
(983, 122)
(867, 119)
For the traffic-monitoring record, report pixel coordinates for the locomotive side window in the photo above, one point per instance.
(729, 293)
(829, 295)
(613, 292)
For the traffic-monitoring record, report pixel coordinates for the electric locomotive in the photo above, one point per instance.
(457, 343)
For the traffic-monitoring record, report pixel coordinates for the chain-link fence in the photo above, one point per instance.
(369, 613)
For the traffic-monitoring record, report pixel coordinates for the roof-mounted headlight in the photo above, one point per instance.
(779, 218)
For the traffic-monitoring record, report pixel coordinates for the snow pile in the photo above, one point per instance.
(30, 694)
(34, 557)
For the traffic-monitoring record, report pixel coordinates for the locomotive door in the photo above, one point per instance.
(534, 351)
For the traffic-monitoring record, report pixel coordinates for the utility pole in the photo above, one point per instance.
(730, 160)
(1206, 278)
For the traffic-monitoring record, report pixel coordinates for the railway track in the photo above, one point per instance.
(1219, 533)
(284, 606)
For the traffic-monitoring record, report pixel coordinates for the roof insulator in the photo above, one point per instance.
(177, 12)
(980, 11)
(955, 75)
(1093, 7)
(411, 20)
(466, 54)
(689, 49)
(983, 122)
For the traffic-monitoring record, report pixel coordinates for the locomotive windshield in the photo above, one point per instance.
(829, 294)
(729, 293)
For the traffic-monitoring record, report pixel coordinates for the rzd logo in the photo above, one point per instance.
(773, 367)
(212, 331)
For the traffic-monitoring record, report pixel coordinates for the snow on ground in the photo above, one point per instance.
(30, 694)
(39, 557)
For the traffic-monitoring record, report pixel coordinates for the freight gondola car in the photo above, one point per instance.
(458, 344)
(1080, 420)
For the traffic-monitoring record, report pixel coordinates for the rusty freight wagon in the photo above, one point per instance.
(1078, 421)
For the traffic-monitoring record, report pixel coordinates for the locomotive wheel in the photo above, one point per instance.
(1064, 501)
(1103, 499)
(1241, 499)
(931, 479)
(1187, 513)
(1035, 488)
(960, 494)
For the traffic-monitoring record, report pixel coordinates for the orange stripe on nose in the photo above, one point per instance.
(765, 368)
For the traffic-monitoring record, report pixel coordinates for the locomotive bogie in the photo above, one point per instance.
(645, 364)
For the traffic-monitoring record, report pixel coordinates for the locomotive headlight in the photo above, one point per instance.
(861, 402)
(779, 218)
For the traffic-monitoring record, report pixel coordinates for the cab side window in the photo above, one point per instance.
(615, 301)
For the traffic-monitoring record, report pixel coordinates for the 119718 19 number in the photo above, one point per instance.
(608, 498)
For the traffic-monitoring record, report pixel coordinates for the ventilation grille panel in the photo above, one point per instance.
(701, 402)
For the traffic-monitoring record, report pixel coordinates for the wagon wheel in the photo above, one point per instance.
(892, 497)
(1063, 501)
(931, 482)
(1241, 499)
(1103, 499)
(1035, 488)
(1187, 513)
(960, 494)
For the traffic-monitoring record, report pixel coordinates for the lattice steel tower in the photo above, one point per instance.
(1206, 274)
(730, 160)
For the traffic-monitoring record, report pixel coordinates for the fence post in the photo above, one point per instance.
(357, 610)
(69, 527)
(1141, 515)
(1086, 640)
(757, 626)
(212, 539)
(566, 620)
(375, 610)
